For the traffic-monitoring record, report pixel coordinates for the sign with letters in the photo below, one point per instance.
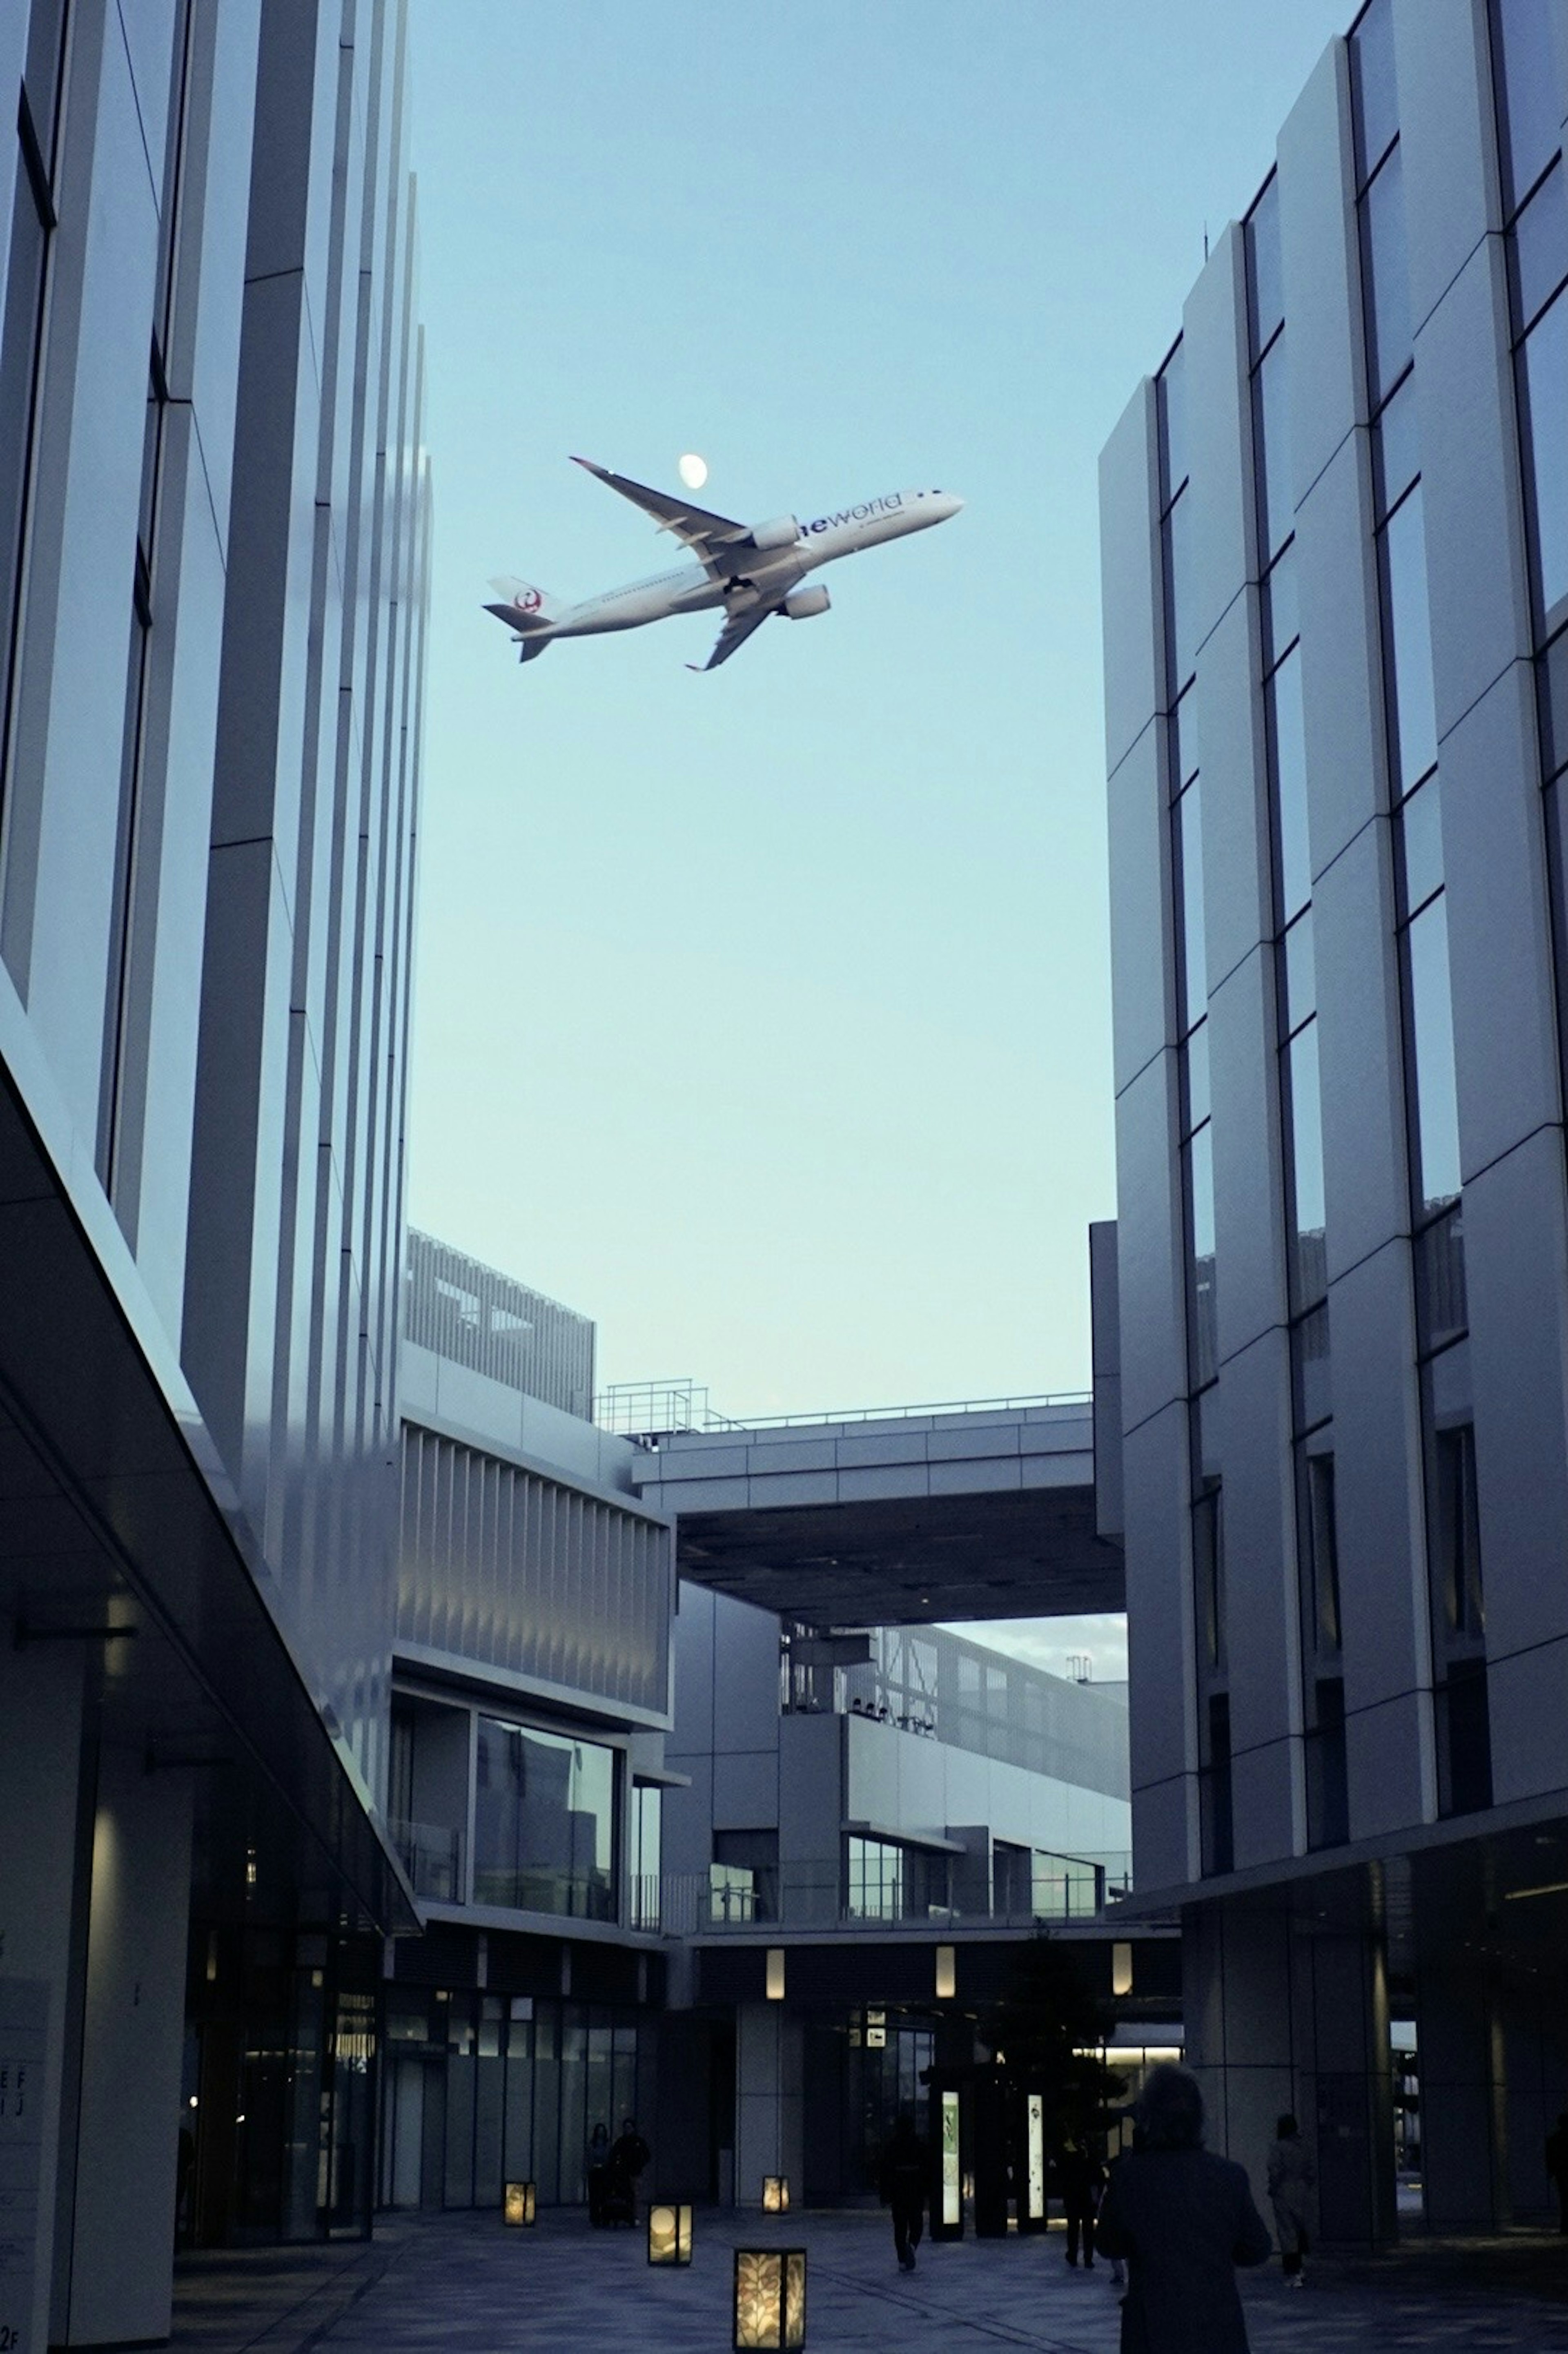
(24, 2022)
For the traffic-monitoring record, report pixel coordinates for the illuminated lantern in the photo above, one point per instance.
(775, 2194)
(669, 2235)
(520, 2206)
(769, 2297)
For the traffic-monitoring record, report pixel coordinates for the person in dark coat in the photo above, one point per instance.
(1082, 2177)
(626, 2159)
(1557, 2167)
(1291, 2176)
(902, 2182)
(1183, 2220)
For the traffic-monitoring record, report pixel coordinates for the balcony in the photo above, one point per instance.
(815, 1896)
(432, 1857)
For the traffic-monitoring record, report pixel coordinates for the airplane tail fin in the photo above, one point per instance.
(526, 607)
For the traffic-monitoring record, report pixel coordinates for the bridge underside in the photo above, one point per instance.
(910, 1561)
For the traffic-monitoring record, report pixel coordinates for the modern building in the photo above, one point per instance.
(1335, 545)
(870, 1826)
(214, 520)
(531, 1700)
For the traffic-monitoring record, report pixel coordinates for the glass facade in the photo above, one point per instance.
(483, 2089)
(543, 1833)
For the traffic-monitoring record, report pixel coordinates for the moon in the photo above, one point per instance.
(692, 470)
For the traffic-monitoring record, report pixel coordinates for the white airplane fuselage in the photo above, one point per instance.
(759, 577)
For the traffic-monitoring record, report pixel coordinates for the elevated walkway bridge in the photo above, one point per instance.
(964, 1512)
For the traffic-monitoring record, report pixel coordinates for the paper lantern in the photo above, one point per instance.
(520, 2206)
(775, 2194)
(769, 2297)
(669, 2235)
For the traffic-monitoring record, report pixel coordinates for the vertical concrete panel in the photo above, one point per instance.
(1263, 1638)
(1249, 1177)
(1382, 1563)
(1150, 1249)
(1321, 268)
(1447, 141)
(1360, 1052)
(1341, 653)
(1516, 1254)
(1163, 1726)
(1238, 857)
(1219, 433)
(1499, 925)
(1143, 1014)
(1131, 603)
(1476, 575)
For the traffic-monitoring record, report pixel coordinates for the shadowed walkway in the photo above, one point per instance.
(463, 2282)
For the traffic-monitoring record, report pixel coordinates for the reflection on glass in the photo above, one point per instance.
(1432, 1037)
(1266, 275)
(1299, 968)
(1386, 272)
(1421, 845)
(1202, 1335)
(1530, 45)
(1195, 1058)
(1414, 732)
(544, 1816)
(1309, 1268)
(1551, 674)
(1208, 1574)
(1543, 405)
(1184, 740)
(1538, 249)
(1271, 459)
(1322, 1548)
(1288, 746)
(1173, 423)
(1180, 644)
(1194, 953)
(1396, 445)
(1281, 607)
(876, 1879)
(1310, 1368)
(1373, 86)
(1442, 1304)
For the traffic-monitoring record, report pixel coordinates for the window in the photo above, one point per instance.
(1430, 1019)
(543, 1822)
(1287, 762)
(876, 1879)
(1530, 52)
(1193, 945)
(1202, 1325)
(1271, 433)
(1265, 274)
(1385, 280)
(1408, 643)
(1374, 91)
(1543, 366)
(1308, 1257)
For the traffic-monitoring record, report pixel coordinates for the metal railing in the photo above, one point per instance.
(679, 1407)
(432, 1857)
(815, 1896)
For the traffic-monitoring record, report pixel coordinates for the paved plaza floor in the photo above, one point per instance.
(465, 2282)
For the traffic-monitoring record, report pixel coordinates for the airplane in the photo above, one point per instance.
(752, 571)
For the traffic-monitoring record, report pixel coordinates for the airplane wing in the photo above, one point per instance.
(712, 538)
(735, 633)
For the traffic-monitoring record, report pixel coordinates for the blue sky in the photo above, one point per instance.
(764, 1016)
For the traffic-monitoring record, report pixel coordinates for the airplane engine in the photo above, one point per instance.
(782, 532)
(802, 603)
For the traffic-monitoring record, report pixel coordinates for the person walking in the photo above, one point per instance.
(626, 2159)
(1183, 2220)
(1082, 2177)
(902, 2183)
(1291, 2176)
